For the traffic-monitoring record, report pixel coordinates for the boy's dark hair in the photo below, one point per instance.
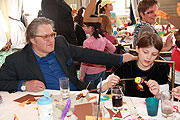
(96, 26)
(150, 39)
(145, 4)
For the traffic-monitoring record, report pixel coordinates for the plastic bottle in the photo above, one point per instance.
(45, 107)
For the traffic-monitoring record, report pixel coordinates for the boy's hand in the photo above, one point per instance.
(153, 86)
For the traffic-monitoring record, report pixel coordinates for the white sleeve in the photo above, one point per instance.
(103, 82)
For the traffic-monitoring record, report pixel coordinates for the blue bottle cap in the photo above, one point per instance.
(45, 100)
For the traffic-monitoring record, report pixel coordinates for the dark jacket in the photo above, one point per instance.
(60, 12)
(23, 65)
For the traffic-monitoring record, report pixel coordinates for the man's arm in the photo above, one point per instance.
(8, 81)
(91, 56)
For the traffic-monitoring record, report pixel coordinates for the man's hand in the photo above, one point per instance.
(128, 57)
(34, 86)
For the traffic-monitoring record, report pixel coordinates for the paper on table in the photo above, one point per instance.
(83, 110)
(28, 97)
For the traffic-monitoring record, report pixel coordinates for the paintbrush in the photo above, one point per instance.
(99, 100)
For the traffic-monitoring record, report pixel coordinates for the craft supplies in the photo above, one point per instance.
(68, 105)
(15, 117)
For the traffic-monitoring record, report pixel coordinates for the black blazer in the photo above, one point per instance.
(60, 12)
(23, 65)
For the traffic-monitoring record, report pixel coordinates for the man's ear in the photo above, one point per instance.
(32, 40)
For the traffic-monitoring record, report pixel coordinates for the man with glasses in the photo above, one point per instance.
(46, 58)
(147, 13)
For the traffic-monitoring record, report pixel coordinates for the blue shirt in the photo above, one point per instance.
(51, 71)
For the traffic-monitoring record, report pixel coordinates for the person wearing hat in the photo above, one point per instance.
(106, 7)
(147, 12)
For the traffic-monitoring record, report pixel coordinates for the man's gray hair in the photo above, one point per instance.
(32, 27)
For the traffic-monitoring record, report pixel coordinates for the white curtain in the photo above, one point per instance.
(135, 8)
(85, 3)
(17, 27)
(3, 29)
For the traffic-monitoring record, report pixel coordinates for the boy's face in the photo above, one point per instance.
(146, 57)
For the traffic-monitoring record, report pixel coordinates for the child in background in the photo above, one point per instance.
(148, 48)
(176, 57)
(106, 27)
(91, 72)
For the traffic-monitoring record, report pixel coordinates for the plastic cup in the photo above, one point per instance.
(166, 104)
(152, 105)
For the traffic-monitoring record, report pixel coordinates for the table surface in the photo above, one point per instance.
(9, 107)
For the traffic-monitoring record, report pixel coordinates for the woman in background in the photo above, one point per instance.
(147, 13)
(78, 22)
(106, 7)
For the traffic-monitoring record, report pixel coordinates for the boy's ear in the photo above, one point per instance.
(137, 49)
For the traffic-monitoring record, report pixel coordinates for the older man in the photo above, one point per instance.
(45, 59)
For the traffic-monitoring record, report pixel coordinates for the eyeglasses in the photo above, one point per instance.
(150, 12)
(47, 36)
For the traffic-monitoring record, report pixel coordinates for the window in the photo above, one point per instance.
(121, 7)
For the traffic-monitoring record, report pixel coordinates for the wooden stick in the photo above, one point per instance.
(93, 90)
(127, 79)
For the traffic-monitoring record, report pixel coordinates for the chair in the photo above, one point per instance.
(133, 52)
(162, 54)
(172, 70)
(161, 59)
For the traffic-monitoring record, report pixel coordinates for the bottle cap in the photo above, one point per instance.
(45, 100)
